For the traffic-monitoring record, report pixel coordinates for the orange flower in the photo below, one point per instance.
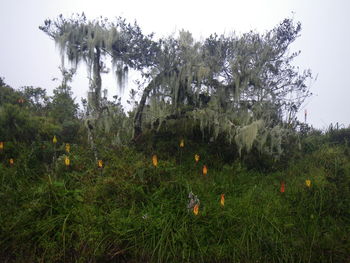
(222, 200)
(196, 158)
(67, 147)
(182, 143)
(11, 161)
(282, 187)
(1, 145)
(308, 183)
(67, 161)
(205, 170)
(155, 160)
(99, 163)
(54, 140)
(196, 209)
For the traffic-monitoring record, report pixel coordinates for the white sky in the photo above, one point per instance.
(29, 58)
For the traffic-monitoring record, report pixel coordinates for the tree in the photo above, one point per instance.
(92, 41)
(79, 40)
(35, 97)
(241, 86)
(20, 121)
(63, 109)
(8, 94)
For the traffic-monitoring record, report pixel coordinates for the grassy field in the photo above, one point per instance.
(131, 211)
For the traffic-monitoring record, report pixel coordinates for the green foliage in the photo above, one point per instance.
(29, 115)
(113, 126)
(35, 97)
(17, 124)
(64, 111)
(132, 211)
(339, 136)
(63, 107)
(7, 94)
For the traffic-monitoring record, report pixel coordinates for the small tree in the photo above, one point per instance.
(63, 109)
(35, 97)
(21, 121)
(94, 41)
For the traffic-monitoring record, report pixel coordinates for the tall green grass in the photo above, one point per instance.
(133, 212)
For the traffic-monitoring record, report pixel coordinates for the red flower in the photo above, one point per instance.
(283, 186)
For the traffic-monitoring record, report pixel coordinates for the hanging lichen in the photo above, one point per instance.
(246, 135)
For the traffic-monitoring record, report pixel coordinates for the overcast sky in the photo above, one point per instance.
(29, 58)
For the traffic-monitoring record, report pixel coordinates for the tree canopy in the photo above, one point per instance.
(242, 86)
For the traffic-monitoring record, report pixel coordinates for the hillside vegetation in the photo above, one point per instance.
(131, 211)
(209, 165)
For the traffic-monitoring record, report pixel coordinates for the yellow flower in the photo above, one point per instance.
(155, 160)
(11, 161)
(99, 163)
(196, 209)
(205, 170)
(67, 161)
(196, 158)
(1, 145)
(182, 143)
(222, 200)
(308, 183)
(67, 147)
(54, 140)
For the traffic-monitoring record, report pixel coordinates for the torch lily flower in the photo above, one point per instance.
(282, 187)
(155, 160)
(67, 161)
(99, 163)
(205, 170)
(182, 143)
(196, 209)
(222, 200)
(67, 147)
(196, 158)
(11, 161)
(1, 146)
(308, 183)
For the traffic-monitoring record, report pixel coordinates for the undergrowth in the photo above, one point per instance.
(131, 211)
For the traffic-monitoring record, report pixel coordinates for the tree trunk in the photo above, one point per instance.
(139, 111)
(94, 105)
(91, 139)
(97, 77)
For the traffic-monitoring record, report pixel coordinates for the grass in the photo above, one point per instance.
(134, 212)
